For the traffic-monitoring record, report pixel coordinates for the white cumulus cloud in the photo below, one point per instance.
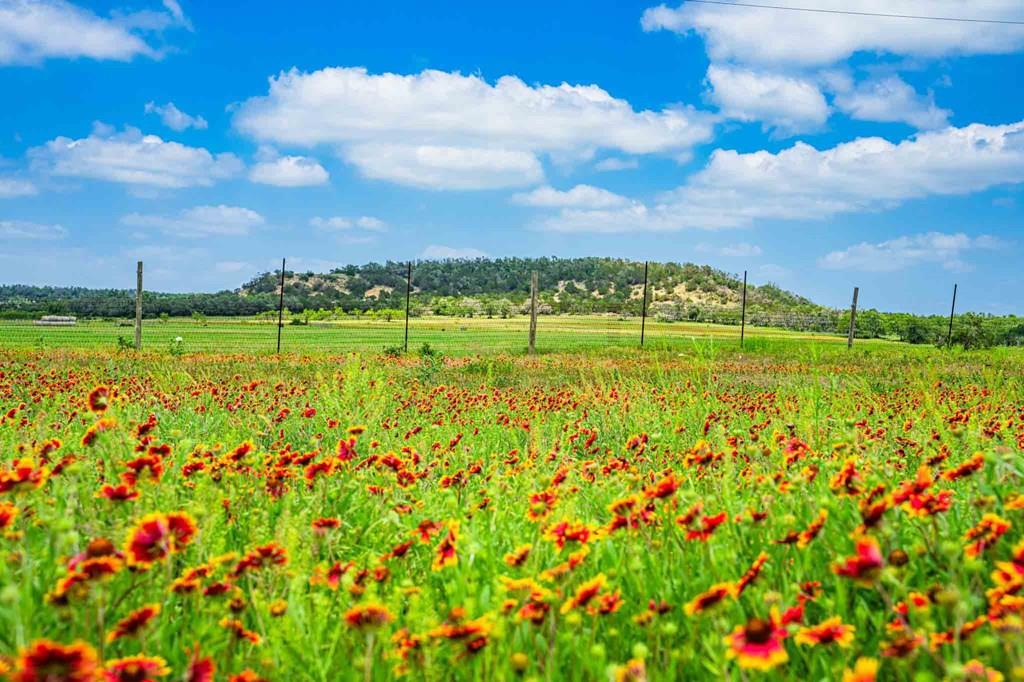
(903, 252)
(451, 131)
(131, 158)
(752, 35)
(289, 171)
(803, 183)
(34, 30)
(787, 103)
(737, 250)
(580, 196)
(174, 118)
(340, 223)
(200, 221)
(23, 229)
(891, 99)
(16, 187)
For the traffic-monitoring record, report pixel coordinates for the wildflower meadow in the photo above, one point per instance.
(804, 512)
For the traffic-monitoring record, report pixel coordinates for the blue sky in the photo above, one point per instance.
(816, 151)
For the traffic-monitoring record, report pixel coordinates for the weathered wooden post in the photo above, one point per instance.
(280, 310)
(643, 312)
(533, 312)
(743, 309)
(952, 311)
(408, 293)
(853, 318)
(138, 306)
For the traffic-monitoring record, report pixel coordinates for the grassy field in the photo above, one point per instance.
(793, 511)
(457, 336)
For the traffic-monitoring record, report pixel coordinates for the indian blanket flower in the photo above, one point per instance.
(98, 399)
(368, 616)
(584, 593)
(200, 668)
(135, 669)
(808, 534)
(985, 534)
(709, 598)
(8, 513)
(445, 554)
(238, 629)
(518, 556)
(974, 464)
(264, 556)
(46, 661)
(748, 578)
(23, 475)
(829, 631)
(758, 645)
(134, 622)
(976, 671)
(706, 528)
(664, 487)
(864, 670)
(157, 535)
(633, 671)
(865, 565)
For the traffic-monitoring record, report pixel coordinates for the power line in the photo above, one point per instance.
(820, 10)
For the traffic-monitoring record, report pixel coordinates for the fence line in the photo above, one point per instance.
(504, 325)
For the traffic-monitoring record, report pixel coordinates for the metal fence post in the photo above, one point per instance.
(138, 306)
(853, 317)
(408, 293)
(952, 310)
(533, 312)
(643, 312)
(280, 309)
(743, 310)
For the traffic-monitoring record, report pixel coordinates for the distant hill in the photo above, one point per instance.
(485, 286)
(566, 285)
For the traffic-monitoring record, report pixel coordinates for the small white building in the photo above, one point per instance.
(57, 321)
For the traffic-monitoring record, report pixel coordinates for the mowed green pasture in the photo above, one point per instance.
(456, 336)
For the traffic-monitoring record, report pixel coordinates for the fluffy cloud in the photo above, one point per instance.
(787, 103)
(737, 250)
(22, 229)
(15, 187)
(339, 224)
(289, 171)
(34, 30)
(174, 118)
(449, 131)
(770, 36)
(200, 221)
(903, 252)
(614, 163)
(891, 99)
(435, 252)
(132, 158)
(804, 183)
(580, 196)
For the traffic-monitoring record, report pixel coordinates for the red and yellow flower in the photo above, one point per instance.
(758, 645)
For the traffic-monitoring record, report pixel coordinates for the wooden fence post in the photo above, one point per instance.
(138, 306)
(533, 312)
(853, 318)
(952, 310)
(743, 310)
(280, 310)
(408, 293)
(643, 312)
